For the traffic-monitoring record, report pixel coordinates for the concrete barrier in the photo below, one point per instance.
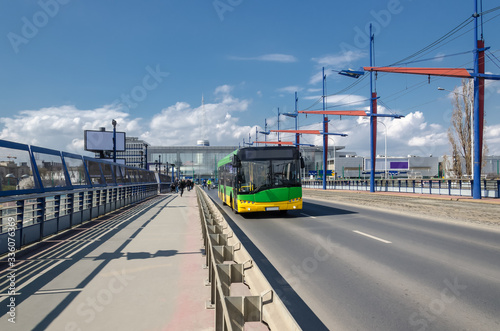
(229, 264)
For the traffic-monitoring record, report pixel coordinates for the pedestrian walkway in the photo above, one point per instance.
(139, 268)
(443, 197)
(486, 200)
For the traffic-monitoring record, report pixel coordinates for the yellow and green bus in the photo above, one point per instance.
(254, 179)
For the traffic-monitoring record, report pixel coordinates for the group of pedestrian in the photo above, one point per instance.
(207, 183)
(179, 185)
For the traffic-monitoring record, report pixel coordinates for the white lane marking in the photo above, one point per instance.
(373, 237)
(59, 291)
(307, 215)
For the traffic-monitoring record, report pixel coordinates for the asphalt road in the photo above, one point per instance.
(362, 269)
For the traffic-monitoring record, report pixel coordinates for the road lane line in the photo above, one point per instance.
(307, 215)
(59, 291)
(373, 237)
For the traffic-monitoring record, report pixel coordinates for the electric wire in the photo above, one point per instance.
(436, 42)
(440, 42)
(412, 89)
(348, 103)
(408, 110)
(492, 60)
(433, 58)
(495, 58)
(489, 11)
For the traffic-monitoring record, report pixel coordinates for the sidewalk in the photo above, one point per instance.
(443, 197)
(140, 269)
(495, 201)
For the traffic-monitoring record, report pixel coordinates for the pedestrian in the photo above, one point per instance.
(209, 182)
(182, 185)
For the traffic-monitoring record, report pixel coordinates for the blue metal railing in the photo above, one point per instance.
(44, 191)
(26, 219)
(489, 188)
(30, 169)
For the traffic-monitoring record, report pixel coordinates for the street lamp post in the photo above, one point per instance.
(114, 140)
(325, 132)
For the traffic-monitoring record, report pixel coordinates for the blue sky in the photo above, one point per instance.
(71, 65)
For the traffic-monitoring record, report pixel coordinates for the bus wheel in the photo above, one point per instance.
(234, 204)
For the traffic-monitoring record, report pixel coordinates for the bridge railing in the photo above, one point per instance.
(44, 191)
(228, 262)
(458, 187)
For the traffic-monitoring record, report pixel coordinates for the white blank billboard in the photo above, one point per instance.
(96, 141)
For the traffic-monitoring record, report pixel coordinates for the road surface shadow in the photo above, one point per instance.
(318, 209)
(30, 289)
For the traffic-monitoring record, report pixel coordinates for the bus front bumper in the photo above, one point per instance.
(250, 206)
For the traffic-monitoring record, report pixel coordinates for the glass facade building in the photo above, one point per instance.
(200, 162)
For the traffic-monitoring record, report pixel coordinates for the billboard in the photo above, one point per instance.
(96, 141)
(396, 164)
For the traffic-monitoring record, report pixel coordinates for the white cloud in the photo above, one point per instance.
(316, 78)
(409, 135)
(492, 138)
(289, 89)
(314, 90)
(339, 59)
(346, 100)
(439, 57)
(283, 58)
(223, 89)
(62, 127)
(180, 124)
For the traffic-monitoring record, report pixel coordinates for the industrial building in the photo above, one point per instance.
(200, 161)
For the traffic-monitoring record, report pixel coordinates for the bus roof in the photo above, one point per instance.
(226, 159)
(262, 153)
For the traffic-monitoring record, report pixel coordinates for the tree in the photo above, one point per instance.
(460, 131)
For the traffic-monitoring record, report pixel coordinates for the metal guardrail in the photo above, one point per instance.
(489, 188)
(44, 191)
(26, 169)
(228, 262)
(26, 219)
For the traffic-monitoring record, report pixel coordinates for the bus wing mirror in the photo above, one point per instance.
(236, 162)
(302, 163)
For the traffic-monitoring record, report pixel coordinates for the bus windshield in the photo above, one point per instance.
(255, 176)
